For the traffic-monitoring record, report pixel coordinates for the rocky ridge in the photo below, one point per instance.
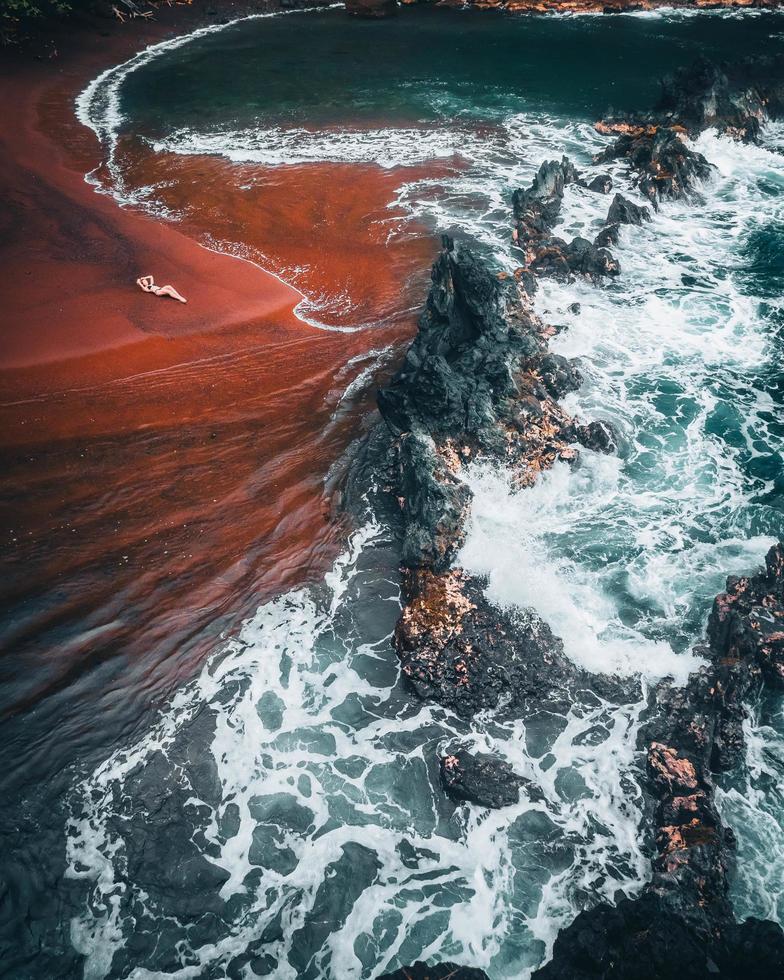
(478, 381)
(683, 924)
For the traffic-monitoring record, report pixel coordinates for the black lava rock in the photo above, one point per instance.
(682, 925)
(734, 98)
(537, 208)
(625, 212)
(480, 778)
(663, 165)
(559, 375)
(609, 235)
(601, 184)
(599, 436)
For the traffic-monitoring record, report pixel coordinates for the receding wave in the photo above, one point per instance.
(276, 146)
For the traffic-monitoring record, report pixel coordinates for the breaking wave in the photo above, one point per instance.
(318, 842)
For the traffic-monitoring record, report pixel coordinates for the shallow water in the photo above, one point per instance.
(283, 815)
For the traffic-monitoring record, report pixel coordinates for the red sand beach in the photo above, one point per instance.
(162, 465)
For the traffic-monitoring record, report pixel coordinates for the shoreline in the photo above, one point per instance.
(165, 468)
(140, 242)
(196, 485)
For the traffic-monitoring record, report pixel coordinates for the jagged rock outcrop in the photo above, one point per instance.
(624, 212)
(433, 501)
(609, 235)
(733, 97)
(481, 779)
(460, 376)
(599, 436)
(662, 164)
(537, 208)
(683, 924)
(536, 211)
(477, 381)
(563, 260)
(458, 649)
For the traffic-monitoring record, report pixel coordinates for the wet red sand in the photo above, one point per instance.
(327, 227)
(162, 466)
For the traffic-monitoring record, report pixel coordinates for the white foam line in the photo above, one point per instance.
(98, 108)
(106, 124)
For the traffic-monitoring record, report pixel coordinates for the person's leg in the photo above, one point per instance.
(171, 291)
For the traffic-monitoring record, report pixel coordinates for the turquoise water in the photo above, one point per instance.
(283, 818)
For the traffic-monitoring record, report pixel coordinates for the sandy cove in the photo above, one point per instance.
(162, 466)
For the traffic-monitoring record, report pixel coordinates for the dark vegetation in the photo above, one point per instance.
(21, 20)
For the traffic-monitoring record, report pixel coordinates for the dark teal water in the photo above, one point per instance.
(283, 818)
(322, 69)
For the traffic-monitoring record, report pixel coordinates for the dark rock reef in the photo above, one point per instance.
(536, 212)
(662, 164)
(481, 779)
(458, 649)
(683, 925)
(479, 382)
(734, 99)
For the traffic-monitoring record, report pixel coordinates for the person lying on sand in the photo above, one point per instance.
(147, 283)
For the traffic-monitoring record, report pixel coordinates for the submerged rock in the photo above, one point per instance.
(440, 971)
(480, 778)
(734, 98)
(625, 212)
(372, 9)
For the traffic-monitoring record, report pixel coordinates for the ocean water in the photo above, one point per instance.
(283, 816)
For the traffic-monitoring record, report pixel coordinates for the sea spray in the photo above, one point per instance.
(326, 785)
